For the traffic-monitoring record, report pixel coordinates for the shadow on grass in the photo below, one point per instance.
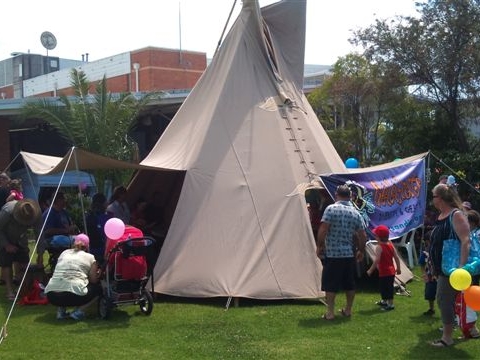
(23, 310)
(213, 302)
(119, 319)
(374, 310)
(223, 302)
(423, 349)
(423, 319)
(319, 322)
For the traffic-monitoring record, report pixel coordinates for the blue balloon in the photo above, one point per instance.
(351, 163)
(451, 180)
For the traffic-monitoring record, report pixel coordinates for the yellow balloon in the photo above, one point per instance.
(460, 279)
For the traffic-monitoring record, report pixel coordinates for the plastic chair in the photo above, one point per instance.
(407, 241)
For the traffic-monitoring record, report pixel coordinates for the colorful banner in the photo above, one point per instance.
(395, 197)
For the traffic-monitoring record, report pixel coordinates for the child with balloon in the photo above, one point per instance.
(467, 317)
(474, 222)
(466, 303)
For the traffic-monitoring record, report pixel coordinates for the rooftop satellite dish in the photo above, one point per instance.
(48, 40)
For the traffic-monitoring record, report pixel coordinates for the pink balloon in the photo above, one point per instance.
(114, 228)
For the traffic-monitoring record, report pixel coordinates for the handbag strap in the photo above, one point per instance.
(453, 233)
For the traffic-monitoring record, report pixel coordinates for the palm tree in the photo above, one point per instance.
(99, 123)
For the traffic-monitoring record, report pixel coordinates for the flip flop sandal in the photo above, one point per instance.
(440, 343)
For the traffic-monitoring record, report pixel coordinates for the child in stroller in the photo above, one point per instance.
(128, 266)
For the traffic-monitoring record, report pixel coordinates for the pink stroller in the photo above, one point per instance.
(126, 272)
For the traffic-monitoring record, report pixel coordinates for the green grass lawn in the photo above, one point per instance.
(203, 329)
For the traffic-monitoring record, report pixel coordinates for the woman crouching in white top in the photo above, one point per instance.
(75, 281)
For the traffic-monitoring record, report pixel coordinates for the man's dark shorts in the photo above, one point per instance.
(338, 274)
(21, 256)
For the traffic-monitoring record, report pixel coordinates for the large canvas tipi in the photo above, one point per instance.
(236, 154)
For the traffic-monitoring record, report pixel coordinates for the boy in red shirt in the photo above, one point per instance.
(385, 254)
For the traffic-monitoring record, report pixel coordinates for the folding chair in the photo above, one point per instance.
(407, 241)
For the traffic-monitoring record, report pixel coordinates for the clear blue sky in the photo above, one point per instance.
(104, 28)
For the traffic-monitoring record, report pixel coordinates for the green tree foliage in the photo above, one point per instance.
(353, 106)
(99, 123)
(417, 86)
(439, 52)
(408, 129)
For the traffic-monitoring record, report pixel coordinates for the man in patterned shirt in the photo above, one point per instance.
(341, 240)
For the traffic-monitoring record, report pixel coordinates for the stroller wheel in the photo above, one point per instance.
(104, 307)
(146, 302)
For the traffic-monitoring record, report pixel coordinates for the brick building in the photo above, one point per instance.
(144, 70)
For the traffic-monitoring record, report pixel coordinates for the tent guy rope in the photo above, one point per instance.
(455, 173)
